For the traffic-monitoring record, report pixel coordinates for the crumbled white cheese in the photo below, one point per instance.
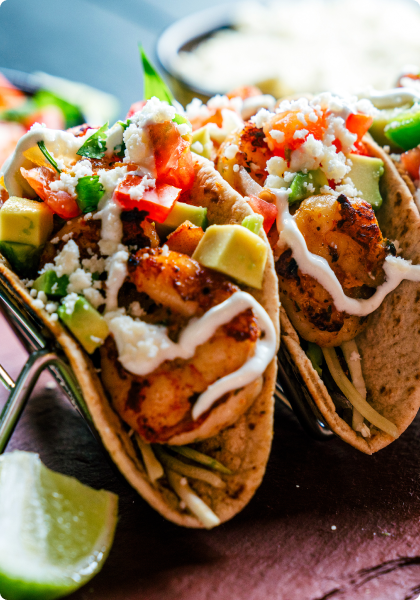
(116, 265)
(355, 356)
(54, 316)
(288, 176)
(79, 280)
(69, 180)
(231, 151)
(276, 165)
(165, 250)
(66, 261)
(69, 301)
(277, 135)
(261, 118)
(300, 134)
(38, 303)
(137, 191)
(93, 296)
(95, 264)
(51, 307)
(34, 293)
(236, 168)
(183, 128)
(42, 296)
(109, 179)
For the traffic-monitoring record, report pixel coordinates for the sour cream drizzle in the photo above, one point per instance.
(132, 356)
(396, 269)
(59, 143)
(392, 98)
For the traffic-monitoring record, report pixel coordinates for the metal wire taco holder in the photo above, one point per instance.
(45, 353)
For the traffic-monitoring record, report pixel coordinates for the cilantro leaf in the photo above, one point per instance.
(42, 147)
(119, 149)
(89, 191)
(95, 145)
(153, 82)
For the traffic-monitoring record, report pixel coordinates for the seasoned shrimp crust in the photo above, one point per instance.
(158, 405)
(345, 232)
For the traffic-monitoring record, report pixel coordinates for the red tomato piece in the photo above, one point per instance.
(136, 107)
(50, 115)
(359, 124)
(411, 163)
(264, 208)
(173, 158)
(244, 92)
(157, 201)
(61, 203)
(288, 123)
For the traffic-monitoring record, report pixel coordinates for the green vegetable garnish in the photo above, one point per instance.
(253, 223)
(89, 191)
(95, 145)
(42, 147)
(203, 459)
(314, 353)
(404, 129)
(51, 284)
(119, 150)
(153, 82)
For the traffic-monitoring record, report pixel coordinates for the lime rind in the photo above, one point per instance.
(55, 532)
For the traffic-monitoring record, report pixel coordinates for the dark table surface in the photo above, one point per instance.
(283, 545)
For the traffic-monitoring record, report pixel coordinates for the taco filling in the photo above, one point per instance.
(309, 171)
(106, 228)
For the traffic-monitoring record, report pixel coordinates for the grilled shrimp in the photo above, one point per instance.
(158, 405)
(253, 154)
(345, 232)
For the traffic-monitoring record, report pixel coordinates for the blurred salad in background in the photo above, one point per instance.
(58, 103)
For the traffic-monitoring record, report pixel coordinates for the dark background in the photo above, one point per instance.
(282, 545)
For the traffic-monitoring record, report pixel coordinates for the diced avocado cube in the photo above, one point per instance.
(253, 223)
(25, 221)
(235, 251)
(85, 322)
(365, 174)
(404, 129)
(380, 121)
(307, 184)
(201, 142)
(23, 258)
(182, 212)
(51, 284)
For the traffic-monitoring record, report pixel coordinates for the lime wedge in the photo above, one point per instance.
(55, 532)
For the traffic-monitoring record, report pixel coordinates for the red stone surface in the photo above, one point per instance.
(280, 547)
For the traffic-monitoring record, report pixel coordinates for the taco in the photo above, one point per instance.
(120, 241)
(334, 209)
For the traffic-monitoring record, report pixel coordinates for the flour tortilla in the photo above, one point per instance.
(389, 346)
(243, 447)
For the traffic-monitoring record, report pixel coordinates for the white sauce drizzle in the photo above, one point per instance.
(396, 269)
(132, 355)
(392, 98)
(59, 143)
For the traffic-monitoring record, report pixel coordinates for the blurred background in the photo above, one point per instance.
(284, 46)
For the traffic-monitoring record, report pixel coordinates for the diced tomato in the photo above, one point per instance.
(411, 162)
(244, 92)
(136, 107)
(360, 148)
(264, 208)
(359, 124)
(288, 123)
(61, 203)
(173, 159)
(157, 201)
